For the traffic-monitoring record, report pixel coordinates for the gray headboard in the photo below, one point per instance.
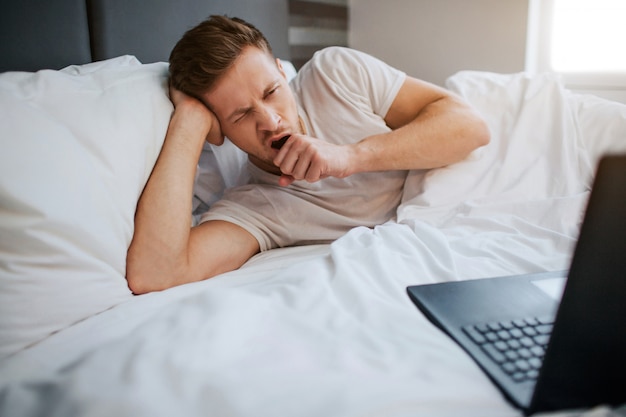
(37, 34)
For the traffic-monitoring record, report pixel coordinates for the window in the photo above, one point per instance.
(588, 36)
(581, 39)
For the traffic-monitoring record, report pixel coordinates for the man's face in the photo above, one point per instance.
(255, 106)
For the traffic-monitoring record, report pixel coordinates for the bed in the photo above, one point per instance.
(320, 330)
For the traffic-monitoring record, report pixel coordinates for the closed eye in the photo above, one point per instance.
(241, 117)
(241, 113)
(271, 92)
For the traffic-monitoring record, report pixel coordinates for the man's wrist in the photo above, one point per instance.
(362, 158)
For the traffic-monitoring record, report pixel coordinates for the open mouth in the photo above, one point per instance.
(277, 144)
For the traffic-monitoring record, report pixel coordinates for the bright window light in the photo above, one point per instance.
(589, 36)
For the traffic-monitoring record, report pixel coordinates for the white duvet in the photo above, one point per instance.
(328, 330)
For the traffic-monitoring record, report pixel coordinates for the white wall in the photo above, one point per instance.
(433, 39)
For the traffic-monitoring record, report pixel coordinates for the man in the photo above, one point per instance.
(328, 152)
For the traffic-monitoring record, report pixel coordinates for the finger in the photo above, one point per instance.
(287, 159)
(285, 180)
(313, 174)
(215, 139)
(302, 166)
(215, 135)
(283, 151)
(175, 96)
(316, 170)
(311, 165)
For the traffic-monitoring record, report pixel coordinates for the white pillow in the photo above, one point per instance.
(76, 150)
(602, 124)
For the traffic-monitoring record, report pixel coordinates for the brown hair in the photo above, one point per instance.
(207, 51)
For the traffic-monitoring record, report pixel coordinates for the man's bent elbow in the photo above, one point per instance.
(483, 135)
(144, 276)
(138, 279)
(137, 282)
(477, 134)
(485, 132)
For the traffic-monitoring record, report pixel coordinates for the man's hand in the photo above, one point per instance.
(307, 158)
(198, 115)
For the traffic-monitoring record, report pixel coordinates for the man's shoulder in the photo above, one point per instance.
(337, 65)
(335, 51)
(339, 62)
(335, 56)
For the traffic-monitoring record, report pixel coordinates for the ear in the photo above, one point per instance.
(279, 64)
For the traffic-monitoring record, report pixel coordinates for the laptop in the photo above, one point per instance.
(555, 340)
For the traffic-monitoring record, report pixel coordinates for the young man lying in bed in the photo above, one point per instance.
(328, 152)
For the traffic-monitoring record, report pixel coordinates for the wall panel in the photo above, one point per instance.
(315, 24)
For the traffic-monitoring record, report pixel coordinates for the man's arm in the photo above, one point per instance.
(431, 128)
(165, 250)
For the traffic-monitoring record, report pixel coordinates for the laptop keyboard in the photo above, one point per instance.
(518, 346)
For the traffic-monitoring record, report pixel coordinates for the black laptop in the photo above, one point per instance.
(557, 340)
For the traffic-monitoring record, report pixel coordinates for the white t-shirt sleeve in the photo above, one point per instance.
(361, 77)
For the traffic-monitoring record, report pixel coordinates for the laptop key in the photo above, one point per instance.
(538, 351)
(474, 334)
(511, 355)
(494, 353)
(525, 353)
(535, 363)
(482, 328)
(544, 329)
(529, 331)
(504, 335)
(532, 374)
(507, 324)
(494, 326)
(531, 321)
(542, 339)
(519, 322)
(545, 320)
(514, 344)
(522, 364)
(527, 341)
(491, 336)
(509, 367)
(501, 346)
(519, 376)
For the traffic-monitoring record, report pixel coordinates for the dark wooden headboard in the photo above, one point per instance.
(37, 34)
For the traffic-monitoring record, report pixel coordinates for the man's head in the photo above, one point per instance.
(207, 51)
(228, 65)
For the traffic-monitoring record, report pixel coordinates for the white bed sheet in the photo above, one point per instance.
(328, 330)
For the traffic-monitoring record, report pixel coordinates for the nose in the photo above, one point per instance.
(269, 119)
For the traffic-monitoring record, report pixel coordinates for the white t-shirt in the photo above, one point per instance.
(343, 96)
